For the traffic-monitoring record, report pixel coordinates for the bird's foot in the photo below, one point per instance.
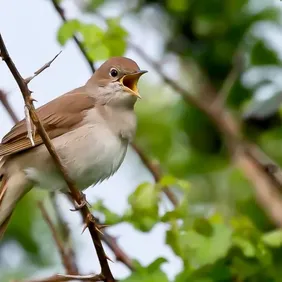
(83, 203)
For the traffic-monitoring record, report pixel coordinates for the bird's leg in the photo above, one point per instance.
(83, 202)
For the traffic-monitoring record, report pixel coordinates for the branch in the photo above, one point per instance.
(62, 278)
(65, 233)
(39, 71)
(230, 80)
(266, 192)
(266, 184)
(155, 171)
(66, 259)
(5, 103)
(120, 255)
(88, 218)
(170, 195)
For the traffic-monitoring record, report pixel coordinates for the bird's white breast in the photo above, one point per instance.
(91, 154)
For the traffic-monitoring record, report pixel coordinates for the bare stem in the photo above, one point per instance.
(7, 106)
(62, 278)
(243, 153)
(40, 70)
(66, 259)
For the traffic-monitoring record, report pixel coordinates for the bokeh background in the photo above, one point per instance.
(226, 52)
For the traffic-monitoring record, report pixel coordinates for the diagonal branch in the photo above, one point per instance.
(245, 155)
(66, 259)
(65, 233)
(7, 106)
(40, 70)
(155, 171)
(88, 218)
(243, 152)
(62, 278)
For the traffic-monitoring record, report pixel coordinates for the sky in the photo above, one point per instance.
(29, 31)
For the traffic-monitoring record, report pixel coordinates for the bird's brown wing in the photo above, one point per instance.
(58, 117)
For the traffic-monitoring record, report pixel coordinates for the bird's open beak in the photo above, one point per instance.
(130, 81)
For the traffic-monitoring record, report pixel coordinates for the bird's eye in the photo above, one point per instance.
(113, 72)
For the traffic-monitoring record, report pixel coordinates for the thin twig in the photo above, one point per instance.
(40, 70)
(65, 233)
(76, 195)
(5, 103)
(120, 255)
(263, 180)
(226, 87)
(66, 259)
(90, 277)
(230, 80)
(155, 171)
(62, 278)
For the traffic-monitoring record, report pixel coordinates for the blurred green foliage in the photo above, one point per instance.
(100, 44)
(218, 230)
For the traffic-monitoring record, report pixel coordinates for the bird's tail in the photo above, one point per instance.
(4, 218)
(11, 191)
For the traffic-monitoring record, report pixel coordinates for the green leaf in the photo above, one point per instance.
(273, 239)
(169, 180)
(202, 250)
(115, 37)
(246, 246)
(144, 212)
(244, 269)
(67, 30)
(173, 239)
(203, 226)
(179, 212)
(155, 265)
(186, 275)
(178, 5)
(150, 273)
(98, 52)
(21, 226)
(145, 199)
(99, 44)
(93, 5)
(263, 55)
(111, 218)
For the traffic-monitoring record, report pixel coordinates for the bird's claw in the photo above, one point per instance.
(82, 204)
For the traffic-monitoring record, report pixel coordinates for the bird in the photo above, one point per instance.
(90, 128)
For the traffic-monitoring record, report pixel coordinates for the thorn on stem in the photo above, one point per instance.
(32, 99)
(89, 218)
(102, 226)
(109, 259)
(97, 228)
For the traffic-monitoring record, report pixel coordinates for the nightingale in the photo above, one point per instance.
(90, 127)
